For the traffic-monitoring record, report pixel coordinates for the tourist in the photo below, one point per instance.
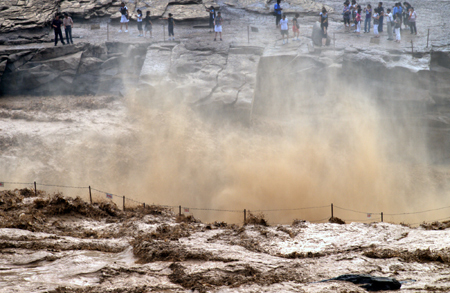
(354, 8)
(212, 16)
(376, 21)
(56, 24)
(277, 11)
(324, 25)
(139, 23)
(389, 24)
(358, 22)
(368, 11)
(406, 14)
(148, 25)
(412, 20)
(284, 27)
(346, 12)
(170, 25)
(398, 25)
(296, 27)
(68, 24)
(381, 17)
(402, 12)
(218, 26)
(123, 17)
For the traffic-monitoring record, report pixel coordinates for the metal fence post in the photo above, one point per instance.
(245, 216)
(412, 47)
(164, 32)
(35, 190)
(381, 216)
(179, 210)
(123, 203)
(428, 37)
(332, 213)
(248, 33)
(90, 194)
(107, 32)
(144, 205)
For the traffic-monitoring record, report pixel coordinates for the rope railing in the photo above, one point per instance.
(110, 195)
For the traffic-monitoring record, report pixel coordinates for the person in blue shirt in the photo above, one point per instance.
(277, 10)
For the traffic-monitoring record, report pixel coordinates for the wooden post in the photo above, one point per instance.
(332, 213)
(90, 194)
(144, 205)
(248, 33)
(107, 35)
(245, 216)
(123, 204)
(35, 190)
(179, 210)
(164, 32)
(428, 37)
(381, 216)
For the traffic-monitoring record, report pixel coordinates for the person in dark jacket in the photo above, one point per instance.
(56, 24)
(212, 16)
(381, 13)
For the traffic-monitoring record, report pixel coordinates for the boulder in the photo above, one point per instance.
(24, 15)
(369, 282)
(317, 35)
(187, 12)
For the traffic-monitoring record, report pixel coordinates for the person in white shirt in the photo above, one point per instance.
(139, 23)
(284, 27)
(389, 22)
(412, 20)
(123, 17)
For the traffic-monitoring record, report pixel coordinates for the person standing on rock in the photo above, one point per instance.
(170, 25)
(358, 22)
(406, 14)
(212, 16)
(398, 26)
(218, 26)
(389, 23)
(68, 24)
(347, 13)
(381, 17)
(324, 25)
(284, 27)
(296, 27)
(412, 20)
(123, 17)
(148, 24)
(376, 22)
(368, 11)
(277, 11)
(139, 23)
(56, 24)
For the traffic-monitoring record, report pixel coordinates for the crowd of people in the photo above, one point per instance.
(400, 14)
(144, 24)
(394, 18)
(352, 16)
